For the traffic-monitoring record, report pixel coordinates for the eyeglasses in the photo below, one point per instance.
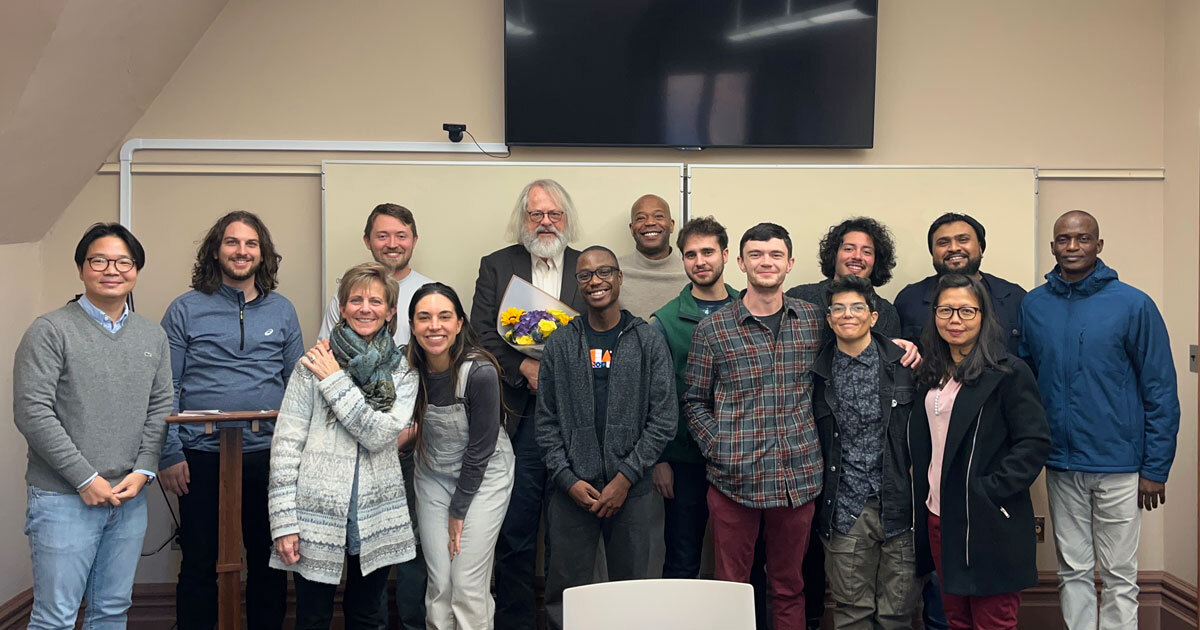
(100, 263)
(857, 308)
(604, 273)
(964, 312)
(537, 215)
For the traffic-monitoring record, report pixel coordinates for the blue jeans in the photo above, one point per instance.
(82, 552)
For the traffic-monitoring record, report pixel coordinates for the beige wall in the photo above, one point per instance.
(24, 291)
(1181, 265)
(1069, 84)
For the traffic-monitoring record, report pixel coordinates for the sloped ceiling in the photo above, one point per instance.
(75, 75)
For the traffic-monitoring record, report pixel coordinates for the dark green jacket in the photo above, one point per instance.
(678, 319)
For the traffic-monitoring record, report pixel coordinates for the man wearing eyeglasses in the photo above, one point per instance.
(234, 342)
(91, 387)
(862, 397)
(542, 222)
(605, 410)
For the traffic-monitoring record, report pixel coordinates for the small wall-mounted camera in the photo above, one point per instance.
(454, 130)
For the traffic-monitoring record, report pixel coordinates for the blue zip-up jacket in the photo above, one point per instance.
(1104, 368)
(232, 355)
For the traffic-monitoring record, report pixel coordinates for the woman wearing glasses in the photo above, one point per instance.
(978, 442)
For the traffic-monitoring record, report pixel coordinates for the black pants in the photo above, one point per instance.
(363, 604)
(410, 576)
(814, 577)
(516, 548)
(196, 594)
(685, 520)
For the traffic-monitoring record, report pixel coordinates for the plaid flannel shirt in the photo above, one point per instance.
(749, 404)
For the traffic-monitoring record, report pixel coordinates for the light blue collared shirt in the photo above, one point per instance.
(102, 317)
(107, 322)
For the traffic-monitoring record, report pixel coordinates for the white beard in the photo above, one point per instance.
(543, 249)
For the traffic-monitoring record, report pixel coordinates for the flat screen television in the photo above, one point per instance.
(690, 73)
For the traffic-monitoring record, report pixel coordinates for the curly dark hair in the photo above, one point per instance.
(206, 273)
(885, 248)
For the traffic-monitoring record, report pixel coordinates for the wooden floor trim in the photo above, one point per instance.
(1167, 603)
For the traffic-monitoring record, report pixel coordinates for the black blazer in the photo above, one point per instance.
(495, 270)
(996, 445)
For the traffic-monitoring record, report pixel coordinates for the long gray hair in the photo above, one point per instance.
(516, 223)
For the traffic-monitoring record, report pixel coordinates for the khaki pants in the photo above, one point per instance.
(873, 580)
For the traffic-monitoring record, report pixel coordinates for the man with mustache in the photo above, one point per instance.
(861, 247)
(679, 477)
(234, 341)
(651, 273)
(391, 237)
(957, 242)
(543, 221)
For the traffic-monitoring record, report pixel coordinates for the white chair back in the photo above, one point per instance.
(659, 604)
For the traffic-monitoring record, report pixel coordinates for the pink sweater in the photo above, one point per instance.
(939, 403)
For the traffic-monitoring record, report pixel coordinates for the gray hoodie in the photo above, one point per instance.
(642, 409)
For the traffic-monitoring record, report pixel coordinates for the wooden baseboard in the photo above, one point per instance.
(15, 612)
(1166, 603)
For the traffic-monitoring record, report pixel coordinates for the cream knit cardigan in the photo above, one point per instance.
(320, 425)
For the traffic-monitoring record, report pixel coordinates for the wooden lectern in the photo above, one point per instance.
(229, 520)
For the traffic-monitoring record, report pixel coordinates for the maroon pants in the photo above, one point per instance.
(785, 529)
(964, 612)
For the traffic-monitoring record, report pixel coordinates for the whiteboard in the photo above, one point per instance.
(807, 200)
(462, 209)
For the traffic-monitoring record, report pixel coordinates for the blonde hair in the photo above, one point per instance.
(364, 274)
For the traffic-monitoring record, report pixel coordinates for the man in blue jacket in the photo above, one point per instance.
(1106, 377)
(956, 243)
(234, 341)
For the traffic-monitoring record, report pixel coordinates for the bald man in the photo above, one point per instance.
(1104, 367)
(652, 275)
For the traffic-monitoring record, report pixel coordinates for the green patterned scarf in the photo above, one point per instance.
(369, 363)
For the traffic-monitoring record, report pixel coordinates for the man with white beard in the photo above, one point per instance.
(543, 221)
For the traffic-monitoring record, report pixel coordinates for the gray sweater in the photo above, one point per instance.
(88, 400)
(648, 284)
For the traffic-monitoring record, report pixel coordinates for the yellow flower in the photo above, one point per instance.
(511, 316)
(524, 340)
(563, 318)
(547, 326)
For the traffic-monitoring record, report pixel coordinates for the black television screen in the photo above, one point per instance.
(690, 73)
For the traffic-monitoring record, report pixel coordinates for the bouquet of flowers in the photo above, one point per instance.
(531, 327)
(528, 316)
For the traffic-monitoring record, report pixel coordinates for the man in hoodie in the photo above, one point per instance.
(234, 341)
(606, 408)
(1104, 367)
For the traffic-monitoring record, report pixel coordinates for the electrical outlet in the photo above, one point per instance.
(1193, 351)
(1039, 528)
